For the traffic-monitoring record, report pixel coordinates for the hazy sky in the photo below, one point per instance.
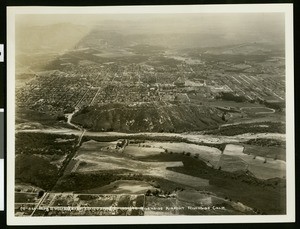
(211, 28)
(157, 23)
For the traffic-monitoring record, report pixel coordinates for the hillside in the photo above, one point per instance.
(152, 117)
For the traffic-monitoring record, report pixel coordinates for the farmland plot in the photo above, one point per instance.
(264, 168)
(205, 153)
(124, 186)
(91, 160)
(233, 150)
(272, 152)
(140, 152)
(231, 163)
(270, 169)
(92, 145)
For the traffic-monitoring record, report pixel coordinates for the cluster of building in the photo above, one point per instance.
(89, 84)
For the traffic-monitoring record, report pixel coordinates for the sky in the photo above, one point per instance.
(168, 23)
(222, 28)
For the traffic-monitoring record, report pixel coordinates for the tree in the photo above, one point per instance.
(148, 193)
(265, 161)
(41, 193)
(156, 192)
(224, 117)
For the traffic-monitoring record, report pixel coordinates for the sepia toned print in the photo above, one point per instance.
(150, 114)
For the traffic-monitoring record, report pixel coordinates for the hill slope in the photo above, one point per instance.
(152, 117)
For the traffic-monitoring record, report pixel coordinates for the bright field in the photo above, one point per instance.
(140, 152)
(89, 160)
(205, 153)
(124, 186)
(234, 159)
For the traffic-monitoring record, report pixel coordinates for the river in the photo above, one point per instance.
(193, 137)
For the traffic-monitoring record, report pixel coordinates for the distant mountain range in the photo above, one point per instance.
(57, 38)
(107, 39)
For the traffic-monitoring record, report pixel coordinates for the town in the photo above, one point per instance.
(68, 86)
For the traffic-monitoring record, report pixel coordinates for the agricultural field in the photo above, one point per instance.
(87, 160)
(174, 173)
(233, 150)
(210, 155)
(124, 187)
(232, 185)
(231, 164)
(270, 152)
(140, 151)
(92, 145)
(233, 159)
(266, 169)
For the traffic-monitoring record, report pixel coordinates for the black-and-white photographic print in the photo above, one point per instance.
(154, 113)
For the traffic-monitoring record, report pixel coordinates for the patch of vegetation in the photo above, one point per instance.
(87, 197)
(35, 170)
(265, 195)
(25, 198)
(84, 181)
(24, 114)
(231, 97)
(274, 105)
(43, 143)
(261, 127)
(124, 201)
(265, 142)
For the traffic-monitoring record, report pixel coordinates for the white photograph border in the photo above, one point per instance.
(287, 9)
